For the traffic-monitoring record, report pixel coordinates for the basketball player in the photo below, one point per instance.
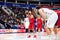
(26, 22)
(31, 23)
(39, 23)
(50, 18)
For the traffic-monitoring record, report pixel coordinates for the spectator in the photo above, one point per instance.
(2, 26)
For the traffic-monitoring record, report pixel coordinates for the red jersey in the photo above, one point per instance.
(39, 23)
(31, 25)
(31, 20)
(58, 12)
(58, 21)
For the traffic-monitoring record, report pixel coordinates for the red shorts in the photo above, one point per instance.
(39, 26)
(31, 26)
(58, 21)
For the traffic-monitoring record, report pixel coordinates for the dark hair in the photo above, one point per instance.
(38, 7)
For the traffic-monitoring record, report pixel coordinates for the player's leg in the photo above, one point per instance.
(39, 28)
(55, 29)
(29, 28)
(33, 28)
(48, 31)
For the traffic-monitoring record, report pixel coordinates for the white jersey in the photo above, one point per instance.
(51, 17)
(48, 12)
(26, 22)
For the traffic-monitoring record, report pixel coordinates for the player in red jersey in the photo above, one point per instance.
(31, 25)
(39, 23)
(58, 21)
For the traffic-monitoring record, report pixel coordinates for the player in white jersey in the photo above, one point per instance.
(50, 18)
(26, 22)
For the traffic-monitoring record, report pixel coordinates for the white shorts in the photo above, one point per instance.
(26, 24)
(51, 21)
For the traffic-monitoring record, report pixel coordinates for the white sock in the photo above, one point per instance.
(42, 30)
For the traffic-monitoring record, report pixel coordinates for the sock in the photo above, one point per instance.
(42, 30)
